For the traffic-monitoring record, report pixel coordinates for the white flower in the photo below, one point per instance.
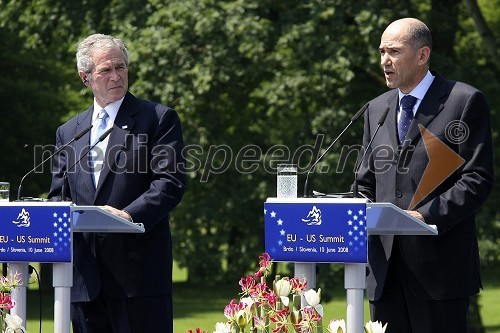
(222, 328)
(14, 323)
(248, 301)
(282, 287)
(337, 326)
(244, 316)
(312, 297)
(375, 327)
(250, 305)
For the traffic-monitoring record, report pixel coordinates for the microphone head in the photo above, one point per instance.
(360, 112)
(384, 115)
(105, 134)
(82, 133)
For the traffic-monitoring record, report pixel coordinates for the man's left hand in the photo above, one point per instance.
(117, 212)
(416, 214)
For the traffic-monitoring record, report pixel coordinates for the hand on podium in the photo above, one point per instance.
(120, 213)
(415, 214)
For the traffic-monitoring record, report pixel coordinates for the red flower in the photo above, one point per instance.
(6, 301)
(231, 310)
(297, 285)
(280, 319)
(247, 284)
(264, 264)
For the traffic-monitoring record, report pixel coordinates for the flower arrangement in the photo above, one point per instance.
(285, 307)
(8, 323)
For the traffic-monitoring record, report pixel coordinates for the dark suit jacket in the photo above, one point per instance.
(446, 266)
(142, 175)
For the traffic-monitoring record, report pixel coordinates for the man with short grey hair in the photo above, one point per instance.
(122, 283)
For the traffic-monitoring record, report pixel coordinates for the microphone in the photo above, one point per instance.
(65, 175)
(356, 170)
(75, 138)
(353, 119)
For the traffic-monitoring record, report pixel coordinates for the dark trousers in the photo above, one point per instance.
(129, 315)
(406, 313)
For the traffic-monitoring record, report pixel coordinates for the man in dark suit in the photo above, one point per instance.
(122, 282)
(422, 283)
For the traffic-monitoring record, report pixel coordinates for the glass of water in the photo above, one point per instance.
(4, 191)
(286, 186)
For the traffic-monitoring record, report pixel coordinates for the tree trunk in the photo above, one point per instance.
(484, 31)
(443, 34)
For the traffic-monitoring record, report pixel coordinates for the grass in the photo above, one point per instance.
(203, 307)
(489, 302)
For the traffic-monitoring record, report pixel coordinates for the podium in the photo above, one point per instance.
(335, 230)
(43, 232)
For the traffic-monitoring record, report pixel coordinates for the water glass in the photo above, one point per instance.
(4, 191)
(286, 186)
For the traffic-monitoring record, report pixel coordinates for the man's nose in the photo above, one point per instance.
(114, 74)
(385, 59)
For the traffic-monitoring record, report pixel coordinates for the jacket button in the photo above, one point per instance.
(399, 194)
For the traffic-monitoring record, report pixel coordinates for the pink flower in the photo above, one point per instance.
(297, 285)
(311, 314)
(247, 284)
(265, 260)
(6, 301)
(259, 323)
(231, 310)
(280, 319)
(309, 318)
(271, 300)
(260, 293)
(10, 282)
(264, 264)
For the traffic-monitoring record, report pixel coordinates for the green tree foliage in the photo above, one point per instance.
(249, 78)
(32, 92)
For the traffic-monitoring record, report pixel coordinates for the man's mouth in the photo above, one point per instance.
(388, 72)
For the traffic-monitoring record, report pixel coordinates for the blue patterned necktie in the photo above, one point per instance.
(97, 154)
(407, 104)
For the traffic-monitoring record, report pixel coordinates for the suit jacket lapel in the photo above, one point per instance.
(391, 121)
(429, 108)
(83, 174)
(123, 124)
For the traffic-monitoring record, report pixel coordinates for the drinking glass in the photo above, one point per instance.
(286, 186)
(4, 191)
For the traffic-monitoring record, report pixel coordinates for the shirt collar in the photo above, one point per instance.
(420, 90)
(111, 109)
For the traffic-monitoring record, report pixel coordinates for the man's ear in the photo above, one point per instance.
(85, 78)
(424, 54)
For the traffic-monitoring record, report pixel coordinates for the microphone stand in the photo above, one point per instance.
(368, 146)
(353, 119)
(75, 138)
(65, 175)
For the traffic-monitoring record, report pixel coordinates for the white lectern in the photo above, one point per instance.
(314, 230)
(40, 219)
